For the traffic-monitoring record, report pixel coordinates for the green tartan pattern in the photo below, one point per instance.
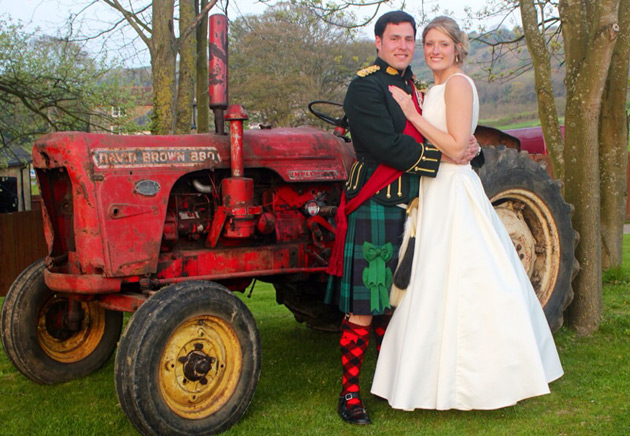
(371, 222)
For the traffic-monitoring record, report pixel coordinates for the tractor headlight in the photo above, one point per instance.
(311, 208)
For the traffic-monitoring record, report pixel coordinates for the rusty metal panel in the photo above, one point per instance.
(298, 155)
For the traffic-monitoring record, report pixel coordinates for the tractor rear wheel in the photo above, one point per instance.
(188, 361)
(530, 205)
(42, 343)
(306, 301)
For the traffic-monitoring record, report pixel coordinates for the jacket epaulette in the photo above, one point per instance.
(368, 70)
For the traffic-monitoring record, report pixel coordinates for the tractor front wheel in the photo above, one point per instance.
(41, 339)
(188, 361)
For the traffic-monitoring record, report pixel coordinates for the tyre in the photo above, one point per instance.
(306, 301)
(189, 361)
(530, 204)
(39, 340)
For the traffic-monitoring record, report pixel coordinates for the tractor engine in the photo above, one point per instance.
(279, 213)
(188, 217)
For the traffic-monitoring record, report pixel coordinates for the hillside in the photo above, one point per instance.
(508, 97)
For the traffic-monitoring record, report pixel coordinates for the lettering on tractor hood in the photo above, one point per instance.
(154, 157)
(313, 174)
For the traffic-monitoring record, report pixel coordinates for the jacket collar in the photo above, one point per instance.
(387, 69)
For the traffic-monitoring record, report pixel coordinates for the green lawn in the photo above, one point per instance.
(504, 125)
(300, 382)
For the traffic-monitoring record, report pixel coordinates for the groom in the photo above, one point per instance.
(382, 139)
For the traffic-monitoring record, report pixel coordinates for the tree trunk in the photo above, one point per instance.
(203, 108)
(614, 145)
(163, 60)
(547, 111)
(187, 63)
(588, 49)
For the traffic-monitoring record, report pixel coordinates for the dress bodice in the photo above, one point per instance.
(434, 106)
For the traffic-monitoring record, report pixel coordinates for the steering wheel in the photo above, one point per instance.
(337, 122)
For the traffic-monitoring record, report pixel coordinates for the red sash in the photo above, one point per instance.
(383, 176)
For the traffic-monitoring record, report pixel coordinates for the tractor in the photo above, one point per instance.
(167, 228)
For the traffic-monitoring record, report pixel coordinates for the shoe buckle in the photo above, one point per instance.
(348, 396)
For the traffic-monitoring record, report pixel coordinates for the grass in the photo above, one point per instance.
(514, 122)
(301, 375)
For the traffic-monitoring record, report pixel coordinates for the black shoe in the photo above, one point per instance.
(355, 414)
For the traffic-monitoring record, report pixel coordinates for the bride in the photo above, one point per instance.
(469, 332)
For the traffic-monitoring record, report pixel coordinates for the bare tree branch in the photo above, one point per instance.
(133, 21)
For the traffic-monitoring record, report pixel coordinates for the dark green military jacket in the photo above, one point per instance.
(376, 125)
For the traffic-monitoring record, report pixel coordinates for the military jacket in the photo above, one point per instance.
(376, 125)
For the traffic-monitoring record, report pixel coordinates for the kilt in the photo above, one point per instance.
(378, 225)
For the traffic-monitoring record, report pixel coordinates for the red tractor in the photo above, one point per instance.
(168, 227)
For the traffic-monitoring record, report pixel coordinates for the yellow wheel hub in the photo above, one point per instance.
(62, 344)
(200, 367)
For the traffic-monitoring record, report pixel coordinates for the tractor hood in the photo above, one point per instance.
(295, 154)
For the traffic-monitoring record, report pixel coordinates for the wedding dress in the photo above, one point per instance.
(469, 332)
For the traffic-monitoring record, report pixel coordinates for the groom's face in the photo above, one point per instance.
(397, 45)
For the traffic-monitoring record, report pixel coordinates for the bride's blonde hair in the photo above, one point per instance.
(449, 27)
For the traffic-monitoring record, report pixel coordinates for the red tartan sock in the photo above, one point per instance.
(354, 341)
(379, 325)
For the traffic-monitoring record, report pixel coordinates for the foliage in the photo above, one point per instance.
(287, 57)
(51, 84)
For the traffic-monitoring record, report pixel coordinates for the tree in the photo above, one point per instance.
(172, 101)
(51, 84)
(593, 155)
(541, 61)
(613, 132)
(590, 35)
(287, 57)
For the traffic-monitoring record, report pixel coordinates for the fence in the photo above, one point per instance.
(21, 243)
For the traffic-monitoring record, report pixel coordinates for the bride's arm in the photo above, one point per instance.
(472, 151)
(455, 141)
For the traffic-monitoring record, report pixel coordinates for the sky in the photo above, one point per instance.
(50, 15)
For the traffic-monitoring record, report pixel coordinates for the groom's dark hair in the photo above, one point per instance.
(393, 17)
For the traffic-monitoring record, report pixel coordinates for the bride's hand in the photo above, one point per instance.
(404, 100)
(472, 151)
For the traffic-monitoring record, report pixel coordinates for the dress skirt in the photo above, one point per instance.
(470, 332)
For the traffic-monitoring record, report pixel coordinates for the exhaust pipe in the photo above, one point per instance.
(238, 214)
(218, 69)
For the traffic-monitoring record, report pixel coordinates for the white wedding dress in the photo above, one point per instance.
(469, 332)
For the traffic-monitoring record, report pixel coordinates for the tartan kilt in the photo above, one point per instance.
(375, 223)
